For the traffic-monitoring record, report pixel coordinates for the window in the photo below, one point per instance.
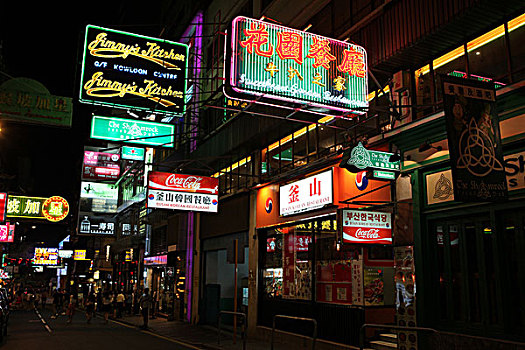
(455, 60)
(517, 49)
(487, 56)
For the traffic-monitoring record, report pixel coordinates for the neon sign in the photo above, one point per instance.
(295, 66)
(132, 131)
(126, 70)
(53, 209)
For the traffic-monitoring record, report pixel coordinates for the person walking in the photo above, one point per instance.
(145, 304)
(106, 305)
(70, 311)
(56, 303)
(120, 303)
(129, 300)
(89, 305)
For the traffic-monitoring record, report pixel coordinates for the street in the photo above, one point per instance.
(27, 331)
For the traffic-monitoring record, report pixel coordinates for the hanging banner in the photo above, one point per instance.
(290, 65)
(370, 227)
(130, 71)
(474, 140)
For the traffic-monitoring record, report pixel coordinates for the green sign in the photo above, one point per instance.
(35, 108)
(360, 158)
(132, 131)
(132, 153)
(385, 175)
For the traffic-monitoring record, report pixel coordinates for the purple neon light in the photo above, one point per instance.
(313, 104)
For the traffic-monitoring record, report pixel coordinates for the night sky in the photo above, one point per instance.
(43, 41)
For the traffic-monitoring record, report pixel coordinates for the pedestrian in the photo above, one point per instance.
(106, 305)
(89, 305)
(43, 299)
(114, 304)
(120, 304)
(129, 300)
(145, 304)
(70, 311)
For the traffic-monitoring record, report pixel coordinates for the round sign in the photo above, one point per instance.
(55, 208)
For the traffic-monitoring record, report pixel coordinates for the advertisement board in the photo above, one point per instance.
(182, 192)
(45, 256)
(130, 71)
(7, 233)
(101, 166)
(132, 153)
(156, 260)
(80, 254)
(65, 253)
(285, 64)
(96, 225)
(53, 209)
(3, 205)
(311, 193)
(98, 197)
(369, 227)
(132, 131)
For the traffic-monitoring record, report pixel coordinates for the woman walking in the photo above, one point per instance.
(90, 306)
(106, 305)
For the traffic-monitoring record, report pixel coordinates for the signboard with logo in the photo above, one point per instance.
(45, 256)
(101, 166)
(132, 131)
(98, 197)
(36, 108)
(7, 233)
(439, 187)
(515, 170)
(96, 225)
(156, 260)
(475, 149)
(359, 158)
(132, 153)
(290, 65)
(125, 70)
(370, 227)
(311, 193)
(80, 254)
(65, 253)
(183, 192)
(53, 209)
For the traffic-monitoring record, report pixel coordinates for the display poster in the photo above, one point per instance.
(334, 281)
(405, 295)
(357, 282)
(7, 233)
(370, 227)
(474, 141)
(373, 287)
(288, 252)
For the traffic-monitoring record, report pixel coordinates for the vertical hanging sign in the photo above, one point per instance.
(476, 158)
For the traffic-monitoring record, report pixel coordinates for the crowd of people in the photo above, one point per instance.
(112, 304)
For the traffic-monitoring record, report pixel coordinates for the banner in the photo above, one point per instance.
(474, 141)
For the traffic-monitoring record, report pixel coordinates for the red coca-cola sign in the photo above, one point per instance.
(182, 183)
(366, 227)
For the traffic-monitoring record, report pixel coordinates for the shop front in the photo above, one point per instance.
(308, 264)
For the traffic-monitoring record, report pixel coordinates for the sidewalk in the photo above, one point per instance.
(201, 337)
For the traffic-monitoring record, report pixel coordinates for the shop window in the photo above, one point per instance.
(517, 49)
(300, 149)
(424, 100)
(273, 159)
(326, 139)
(245, 173)
(455, 60)
(487, 57)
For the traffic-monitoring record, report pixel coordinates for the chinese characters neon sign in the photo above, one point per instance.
(295, 66)
(53, 209)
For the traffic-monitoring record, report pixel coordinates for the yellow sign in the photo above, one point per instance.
(79, 255)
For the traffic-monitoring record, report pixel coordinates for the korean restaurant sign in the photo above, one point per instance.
(125, 70)
(291, 65)
(101, 166)
(311, 193)
(371, 227)
(183, 192)
(36, 108)
(7, 233)
(359, 159)
(133, 131)
(53, 209)
(156, 260)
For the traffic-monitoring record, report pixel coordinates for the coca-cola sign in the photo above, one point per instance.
(182, 183)
(370, 227)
